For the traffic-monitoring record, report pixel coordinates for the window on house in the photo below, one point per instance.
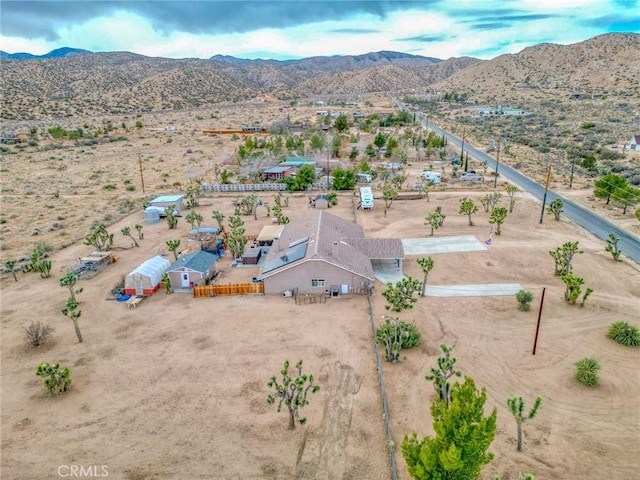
(317, 283)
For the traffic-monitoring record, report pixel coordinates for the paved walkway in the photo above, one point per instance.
(473, 290)
(422, 246)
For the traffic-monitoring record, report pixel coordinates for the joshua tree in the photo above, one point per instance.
(516, 407)
(173, 245)
(69, 281)
(434, 221)
(126, 231)
(511, 191)
(396, 335)
(612, 247)
(556, 207)
(172, 218)
(100, 238)
(219, 217)
(292, 392)
(524, 298)
(194, 219)
(563, 257)
(440, 376)
(237, 239)
(389, 194)
(490, 200)
(39, 263)
(71, 311)
(426, 190)
(57, 381)
(573, 289)
(467, 207)
(138, 227)
(426, 265)
(498, 216)
(167, 283)
(441, 215)
(11, 266)
(399, 297)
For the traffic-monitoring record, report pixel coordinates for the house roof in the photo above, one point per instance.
(278, 169)
(199, 261)
(323, 236)
(378, 248)
(269, 232)
(168, 198)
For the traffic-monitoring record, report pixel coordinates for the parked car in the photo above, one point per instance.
(471, 177)
(491, 148)
(456, 161)
(393, 166)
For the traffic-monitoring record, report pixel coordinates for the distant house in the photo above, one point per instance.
(277, 173)
(485, 112)
(634, 143)
(192, 269)
(323, 253)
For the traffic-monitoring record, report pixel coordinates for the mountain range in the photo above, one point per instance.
(71, 82)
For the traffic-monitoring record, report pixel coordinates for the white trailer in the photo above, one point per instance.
(366, 198)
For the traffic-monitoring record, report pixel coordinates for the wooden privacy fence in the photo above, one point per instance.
(229, 289)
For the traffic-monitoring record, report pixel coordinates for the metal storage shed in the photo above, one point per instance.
(145, 279)
(166, 200)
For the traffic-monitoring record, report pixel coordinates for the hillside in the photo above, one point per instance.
(127, 83)
(607, 64)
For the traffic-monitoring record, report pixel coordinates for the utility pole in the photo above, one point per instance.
(546, 188)
(535, 340)
(573, 162)
(495, 181)
(141, 176)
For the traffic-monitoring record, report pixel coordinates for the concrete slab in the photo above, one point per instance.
(422, 246)
(473, 290)
(386, 271)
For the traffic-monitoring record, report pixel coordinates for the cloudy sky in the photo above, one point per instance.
(303, 28)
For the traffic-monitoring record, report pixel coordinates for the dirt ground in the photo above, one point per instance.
(176, 388)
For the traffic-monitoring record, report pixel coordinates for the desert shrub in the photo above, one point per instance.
(624, 334)
(587, 371)
(57, 381)
(524, 298)
(396, 335)
(36, 333)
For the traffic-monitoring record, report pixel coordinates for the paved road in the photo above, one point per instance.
(601, 228)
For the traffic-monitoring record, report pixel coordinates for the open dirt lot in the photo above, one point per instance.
(176, 388)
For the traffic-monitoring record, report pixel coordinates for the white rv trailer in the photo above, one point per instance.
(366, 198)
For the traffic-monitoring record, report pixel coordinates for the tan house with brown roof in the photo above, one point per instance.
(323, 253)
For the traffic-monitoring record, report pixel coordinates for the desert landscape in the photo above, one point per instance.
(176, 388)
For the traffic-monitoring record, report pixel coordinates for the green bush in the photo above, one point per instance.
(524, 298)
(587, 371)
(624, 334)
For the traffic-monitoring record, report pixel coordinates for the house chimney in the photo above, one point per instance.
(335, 252)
